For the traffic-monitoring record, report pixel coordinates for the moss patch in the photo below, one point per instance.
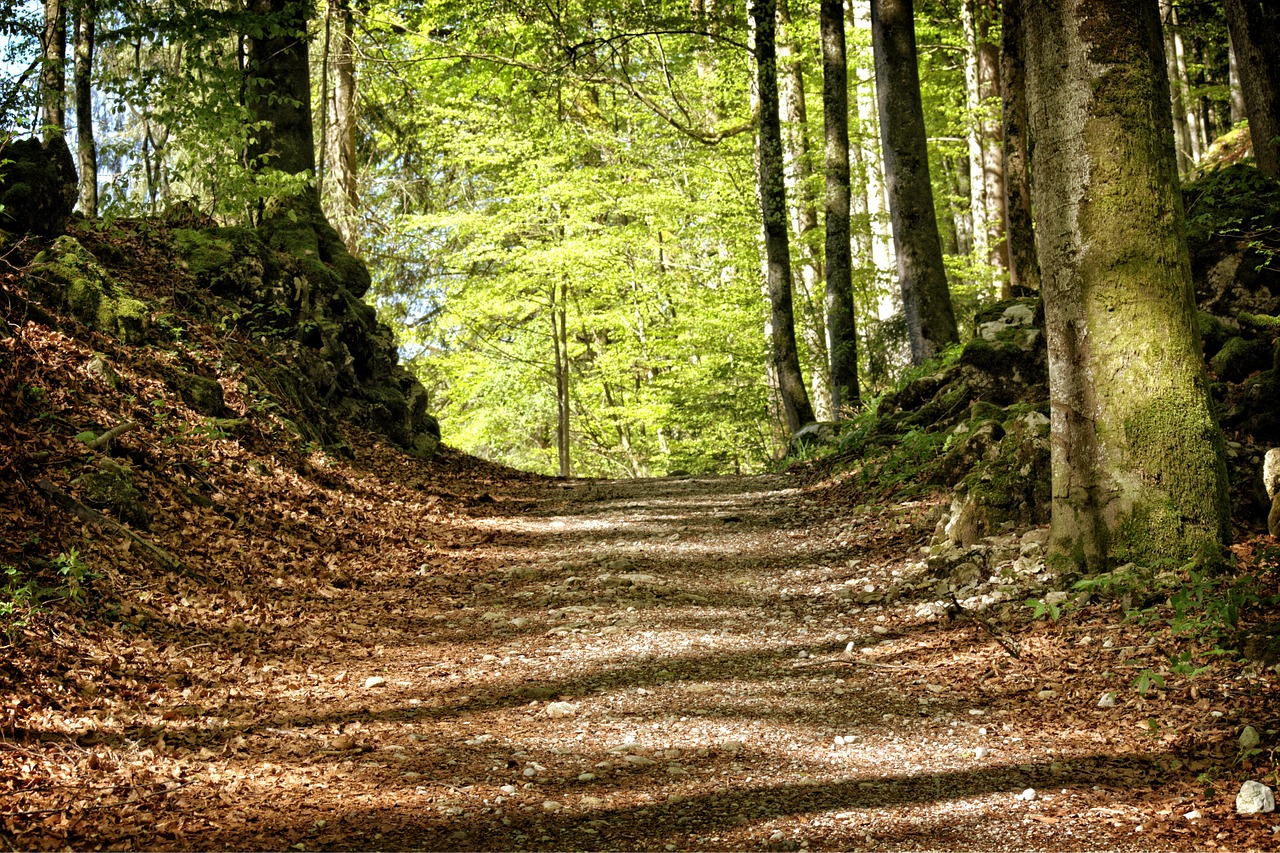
(73, 277)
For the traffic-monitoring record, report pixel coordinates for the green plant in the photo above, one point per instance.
(74, 573)
(1147, 679)
(1041, 608)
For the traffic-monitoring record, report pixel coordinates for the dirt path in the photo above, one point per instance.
(736, 664)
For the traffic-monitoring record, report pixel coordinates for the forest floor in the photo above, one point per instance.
(447, 655)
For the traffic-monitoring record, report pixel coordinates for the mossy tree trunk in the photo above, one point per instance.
(931, 322)
(1138, 458)
(86, 17)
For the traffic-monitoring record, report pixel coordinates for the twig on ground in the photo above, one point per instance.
(115, 432)
(1008, 645)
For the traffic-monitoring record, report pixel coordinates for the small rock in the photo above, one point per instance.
(1047, 693)
(551, 806)
(1249, 738)
(1255, 797)
(732, 746)
(586, 777)
(557, 710)
(676, 770)
(640, 760)
(981, 752)
(1028, 795)
(1107, 700)
(1194, 814)
(374, 681)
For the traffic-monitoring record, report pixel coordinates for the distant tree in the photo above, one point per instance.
(86, 14)
(842, 333)
(53, 72)
(1024, 266)
(1255, 38)
(796, 408)
(1138, 458)
(931, 322)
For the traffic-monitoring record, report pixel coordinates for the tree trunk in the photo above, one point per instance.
(53, 75)
(986, 156)
(842, 335)
(931, 322)
(798, 174)
(86, 147)
(1237, 94)
(1255, 38)
(343, 199)
(796, 409)
(1137, 455)
(560, 345)
(1024, 265)
(1179, 96)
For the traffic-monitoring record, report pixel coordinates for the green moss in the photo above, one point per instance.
(124, 318)
(1240, 357)
(72, 275)
(1178, 508)
(1213, 332)
(1261, 322)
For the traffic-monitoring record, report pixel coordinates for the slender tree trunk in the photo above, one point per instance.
(1255, 38)
(560, 345)
(796, 409)
(53, 79)
(798, 174)
(86, 147)
(1024, 265)
(986, 166)
(340, 141)
(1237, 93)
(842, 333)
(931, 322)
(1187, 140)
(1138, 459)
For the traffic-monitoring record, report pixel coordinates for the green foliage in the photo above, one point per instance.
(1237, 202)
(22, 595)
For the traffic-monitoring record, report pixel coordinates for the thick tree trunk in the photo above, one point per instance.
(1138, 458)
(1024, 265)
(796, 409)
(931, 322)
(86, 148)
(53, 74)
(798, 172)
(1255, 39)
(343, 196)
(842, 334)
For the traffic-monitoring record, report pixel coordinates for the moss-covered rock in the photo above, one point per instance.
(1240, 357)
(204, 395)
(111, 487)
(38, 186)
(72, 276)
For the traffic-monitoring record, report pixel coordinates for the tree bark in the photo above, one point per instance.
(798, 173)
(842, 334)
(340, 142)
(1024, 264)
(1137, 455)
(796, 409)
(1255, 39)
(931, 322)
(560, 345)
(53, 75)
(86, 14)
(986, 155)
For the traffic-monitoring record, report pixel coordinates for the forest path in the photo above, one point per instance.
(741, 663)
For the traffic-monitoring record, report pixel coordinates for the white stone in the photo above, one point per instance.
(1028, 795)
(1249, 738)
(1255, 797)
(981, 752)
(1271, 472)
(374, 681)
(586, 777)
(1107, 700)
(551, 806)
(1194, 814)
(560, 709)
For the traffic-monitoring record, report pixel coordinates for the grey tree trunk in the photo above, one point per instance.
(560, 346)
(1138, 458)
(794, 398)
(53, 73)
(343, 195)
(1255, 39)
(931, 322)
(797, 159)
(986, 154)
(1024, 264)
(842, 333)
(86, 14)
